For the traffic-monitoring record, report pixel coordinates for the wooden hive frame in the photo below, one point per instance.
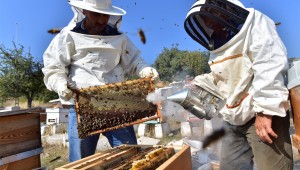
(112, 106)
(108, 159)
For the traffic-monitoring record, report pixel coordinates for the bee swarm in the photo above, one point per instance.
(111, 106)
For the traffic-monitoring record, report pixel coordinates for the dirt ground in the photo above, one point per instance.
(54, 156)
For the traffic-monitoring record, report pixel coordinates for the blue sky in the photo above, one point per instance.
(27, 22)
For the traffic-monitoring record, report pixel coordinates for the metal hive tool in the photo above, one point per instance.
(112, 106)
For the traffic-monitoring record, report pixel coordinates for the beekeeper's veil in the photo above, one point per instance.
(99, 6)
(212, 23)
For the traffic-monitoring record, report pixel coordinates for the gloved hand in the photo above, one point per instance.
(149, 72)
(64, 93)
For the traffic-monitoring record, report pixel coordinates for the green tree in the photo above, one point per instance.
(47, 95)
(20, 75)
(174, 64)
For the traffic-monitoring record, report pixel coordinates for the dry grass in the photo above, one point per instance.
(54, 156)
(23, 103)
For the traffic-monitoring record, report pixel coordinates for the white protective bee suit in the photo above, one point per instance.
(78, 60)
(82, 60)
(248, 62)
(248, 70)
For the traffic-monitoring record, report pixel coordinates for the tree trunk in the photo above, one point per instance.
(29, 103)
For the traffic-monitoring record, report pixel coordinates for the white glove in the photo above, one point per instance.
(149, 72)
(64, 93)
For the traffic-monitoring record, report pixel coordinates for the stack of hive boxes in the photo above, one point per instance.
(20, 139)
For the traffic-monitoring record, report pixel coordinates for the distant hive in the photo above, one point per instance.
(111, 106)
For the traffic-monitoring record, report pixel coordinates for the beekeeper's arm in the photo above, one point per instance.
(134, 64)
(269, 65)
(56, 61)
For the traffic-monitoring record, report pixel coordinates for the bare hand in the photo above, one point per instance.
(263, 125)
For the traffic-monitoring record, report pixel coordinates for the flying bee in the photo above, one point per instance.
(54, 31)
(142, 36)
(213, 137)
(277, 23)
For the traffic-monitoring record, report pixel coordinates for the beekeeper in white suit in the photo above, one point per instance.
(248, 61)
(92, 51)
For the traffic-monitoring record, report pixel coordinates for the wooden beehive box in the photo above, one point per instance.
(20, 139)
(123, 154)
(112, 106)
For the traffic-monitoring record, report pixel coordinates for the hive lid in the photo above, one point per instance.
(22, 111)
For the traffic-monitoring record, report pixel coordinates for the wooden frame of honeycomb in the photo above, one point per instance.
(136, 157)
(112, 106)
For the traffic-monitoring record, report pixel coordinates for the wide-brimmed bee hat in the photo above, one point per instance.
(98, 6)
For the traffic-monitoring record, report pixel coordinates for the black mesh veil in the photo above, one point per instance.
(207, 19)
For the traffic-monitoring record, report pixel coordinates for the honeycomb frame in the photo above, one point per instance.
(113, 106)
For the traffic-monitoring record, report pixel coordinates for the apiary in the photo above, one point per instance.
(20, 139)
(111, 106)
(136, 157)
